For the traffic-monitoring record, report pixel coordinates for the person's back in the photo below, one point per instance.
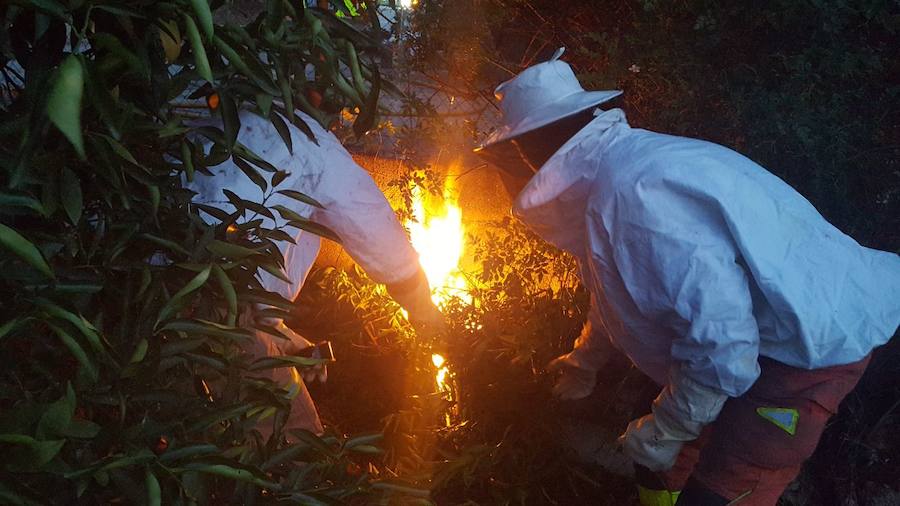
(718, 280)
(819, 298)
(346, 201)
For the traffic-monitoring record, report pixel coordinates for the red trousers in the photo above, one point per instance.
(757, 444)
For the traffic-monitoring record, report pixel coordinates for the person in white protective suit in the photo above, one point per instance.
(716, 278)
(354, 208)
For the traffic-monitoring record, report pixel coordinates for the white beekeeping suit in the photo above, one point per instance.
(698, 260)
(354, 208)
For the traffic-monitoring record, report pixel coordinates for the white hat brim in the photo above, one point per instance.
(556, 110)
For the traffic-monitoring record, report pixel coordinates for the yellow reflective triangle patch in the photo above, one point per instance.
(785, 418)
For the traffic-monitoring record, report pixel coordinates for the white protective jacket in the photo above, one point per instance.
(699, 260)
(354, 206)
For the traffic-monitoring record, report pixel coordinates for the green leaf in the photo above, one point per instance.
(285, 361)
(315, 228)
(9, 326)
(83, 326)
(195, 283)
(251, 173)
(282, 129)
(31, 454)
(188, 452)
(82, 429)
(264, 102)
(121, 150)
(165, 243)
(70, 195)
(228, 291)
(10, 200)
(228, 250)
(154, 198)
(201, 8)
(232, 474)
(57, 416)
(231, 121)
(286, 212)
(24, 249)
(364, 440)
(301, 197)
(114, 462)
(278, 177)
(187, 159)
(200, 60)
(207, 328)
(75, 349)
(215, 212)
(275, 271)
(267, 298)
(139, 352)
(154, 494)
(64, 104)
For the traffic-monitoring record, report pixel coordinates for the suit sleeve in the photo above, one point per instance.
(682, 270)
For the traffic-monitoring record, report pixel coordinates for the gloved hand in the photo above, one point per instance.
(680, 412)
(576, 379)
(296, 344)
(578, 368)
(414, 295)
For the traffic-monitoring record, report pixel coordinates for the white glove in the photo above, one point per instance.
(414, 295)
(576, 381)
(578, 368)
(296, 344)
(680, 412)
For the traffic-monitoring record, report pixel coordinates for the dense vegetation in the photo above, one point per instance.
(122, 372)
(122, 377)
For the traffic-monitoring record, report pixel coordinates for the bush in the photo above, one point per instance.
(122, 372)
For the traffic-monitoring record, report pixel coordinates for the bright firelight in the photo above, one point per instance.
(438, 236)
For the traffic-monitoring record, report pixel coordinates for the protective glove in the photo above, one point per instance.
(575, 381)
(414, 295)
(292, 346)
(578, 368)
(680, 412)
(296, 344)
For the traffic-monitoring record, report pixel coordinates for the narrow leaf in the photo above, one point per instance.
(195, 283)
(301, 197)
(206, 328)
(204, 15)
(64, 104)
(282, 129)
(10, 200)
(24, 249)
(229, 250)
(251, 173)
(200, 59)
(228, 291)
(315, 228)
(230, 119)
(70, 195)
(154, 494)
(75, 349)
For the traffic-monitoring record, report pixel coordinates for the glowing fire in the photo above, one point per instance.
(442, 371)
(438, 236)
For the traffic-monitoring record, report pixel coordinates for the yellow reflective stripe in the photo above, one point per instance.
(351, 8)
(784, 418)
(648, 497)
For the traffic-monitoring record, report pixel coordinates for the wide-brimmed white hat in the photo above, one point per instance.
(540, 95)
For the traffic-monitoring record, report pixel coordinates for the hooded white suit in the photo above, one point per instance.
(354, 208)
(699, 260)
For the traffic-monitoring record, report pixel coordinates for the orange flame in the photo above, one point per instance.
(438, 235)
